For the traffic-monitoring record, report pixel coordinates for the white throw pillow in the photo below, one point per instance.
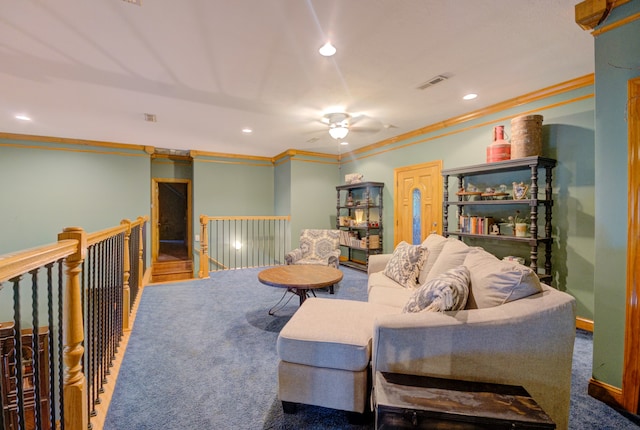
(452, 255)
(446, 292)
(433, 244)
(405, 264)
(495, 282)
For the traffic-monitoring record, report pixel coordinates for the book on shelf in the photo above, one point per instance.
(475, 224)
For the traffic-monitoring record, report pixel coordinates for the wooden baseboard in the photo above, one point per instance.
(606, 393)
(97, 421)
(146, 279)
(584, 324)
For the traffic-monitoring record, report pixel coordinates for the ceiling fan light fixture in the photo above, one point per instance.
(327, 50)
(338, 131)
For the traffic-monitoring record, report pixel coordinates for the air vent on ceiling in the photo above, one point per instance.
(149, 117)
(138, 2)
(431, 82)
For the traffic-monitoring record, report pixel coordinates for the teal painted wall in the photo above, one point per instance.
(282, 197)
(568, 136)
(282, 187)
(230, 188)
(164, 168)
(313, 194)
(617, 55)
(47, 187)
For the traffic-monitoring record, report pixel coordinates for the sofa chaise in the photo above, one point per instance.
(509, 329)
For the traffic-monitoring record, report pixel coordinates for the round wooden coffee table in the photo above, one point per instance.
(300, 279)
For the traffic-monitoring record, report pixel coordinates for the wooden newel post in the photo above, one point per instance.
(75, 383)
(126, 289)
(140, 239)
(204, 248)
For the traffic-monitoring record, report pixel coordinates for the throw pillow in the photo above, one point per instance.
(452, 255)
(446, 292)
(495, 282)
(433, 244)
(405, 264)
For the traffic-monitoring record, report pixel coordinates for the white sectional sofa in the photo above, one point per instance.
(511, 330)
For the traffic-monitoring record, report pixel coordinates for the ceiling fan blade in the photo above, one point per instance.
(369, 130)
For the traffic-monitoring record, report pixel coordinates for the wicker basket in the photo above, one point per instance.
(526, 136)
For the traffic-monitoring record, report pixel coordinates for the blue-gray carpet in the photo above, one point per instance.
(202, 355)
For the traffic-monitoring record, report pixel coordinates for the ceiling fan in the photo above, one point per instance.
(338, 124)
(341, 123)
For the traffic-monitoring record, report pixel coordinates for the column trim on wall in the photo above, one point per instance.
(631, 365)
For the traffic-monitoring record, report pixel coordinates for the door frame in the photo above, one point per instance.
(631, 365)
(155, 216)
(439, 196)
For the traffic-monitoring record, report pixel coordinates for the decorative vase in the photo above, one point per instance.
(500, 149)
(521, 229)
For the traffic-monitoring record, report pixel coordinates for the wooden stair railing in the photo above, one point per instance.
(267, 239)
(98, 270)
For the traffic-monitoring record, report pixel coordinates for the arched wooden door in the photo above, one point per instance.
(418, 202)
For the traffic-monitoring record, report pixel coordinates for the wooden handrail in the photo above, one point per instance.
(15, 264)
(99, 236)
(235, 218)
(72, 247)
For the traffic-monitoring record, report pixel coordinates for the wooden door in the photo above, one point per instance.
(171, 220)
(418, 202)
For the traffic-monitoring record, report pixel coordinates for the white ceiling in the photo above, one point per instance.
(206, 69)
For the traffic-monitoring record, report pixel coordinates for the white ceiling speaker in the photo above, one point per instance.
(338, 124)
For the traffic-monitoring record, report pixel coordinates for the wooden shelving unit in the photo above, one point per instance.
(531, 201)
(360, 240)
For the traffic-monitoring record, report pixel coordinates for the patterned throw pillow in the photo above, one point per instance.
(447, 292)
(405, 264)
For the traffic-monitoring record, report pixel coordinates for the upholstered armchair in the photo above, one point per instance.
(320, 247)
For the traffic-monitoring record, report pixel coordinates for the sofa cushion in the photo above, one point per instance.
(385, 294)
(405, 264)
(382, 280)
(495, 282)
(452, 255)
(446, 292)
(331, 333)
(433, 244)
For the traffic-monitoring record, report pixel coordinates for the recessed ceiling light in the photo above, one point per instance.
(327, 50)
(23, 117)
(470, 96)
(247, 130)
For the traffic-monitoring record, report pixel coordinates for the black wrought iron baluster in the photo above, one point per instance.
(35, 355)
(101, 316)
(50, 343)
(17, 351)
(2, 426)
(110, 263)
